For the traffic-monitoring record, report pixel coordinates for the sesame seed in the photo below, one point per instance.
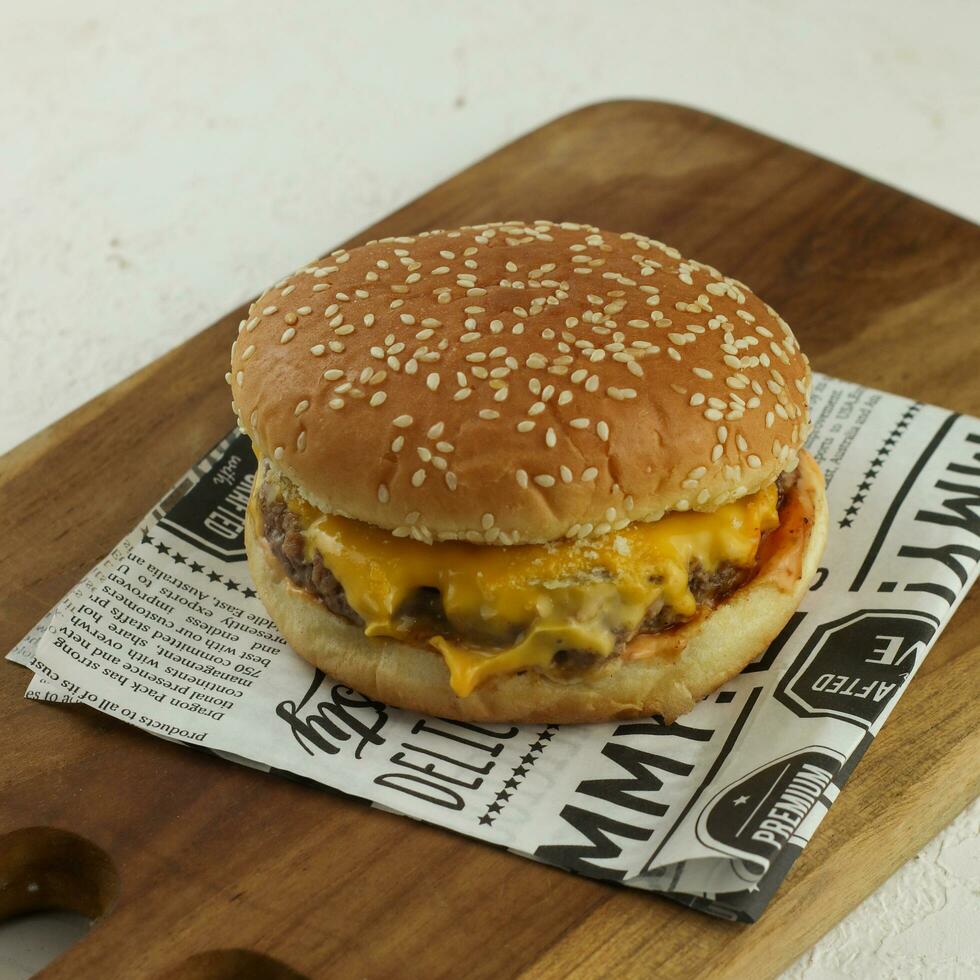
(550, 438)
(432, 381)
(333, 374)
(489, 414)
(403, 421)
(278, 453)
(287, 335)
(536, 409)
(462, 394)
(301, 407)
(697, 399)
(521, 477)
(544, 480)
(589, 474)
(383, 495)
(602, 430)
(336, 403)
(377, 398)
(713, 415)
(451, 480)
(525, 426)
(621, 394)
(397, 443)
(269, 310)
(754, 461)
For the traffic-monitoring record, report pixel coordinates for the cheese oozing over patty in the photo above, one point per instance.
(527, 602)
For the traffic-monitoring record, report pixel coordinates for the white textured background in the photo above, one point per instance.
(161, 162)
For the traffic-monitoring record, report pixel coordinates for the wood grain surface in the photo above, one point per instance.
(204, 869)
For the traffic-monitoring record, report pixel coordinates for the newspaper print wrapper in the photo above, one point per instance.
(168, 635)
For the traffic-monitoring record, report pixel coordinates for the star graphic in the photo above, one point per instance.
(871, 474)
(486, 821)
(196, 566)
(741, 800)
(851, 511)
(528, 760)
(179, 559)
(520, 771)
(864, 485)
(846, 522)
(231, 585)
(145, 539)
(248, 593)
(494, 808)
(511, 784)
(214, 577)
(537, 747)
(504, 795)
(163, 549)
(859, 498)
(884, 451)
(546, 736)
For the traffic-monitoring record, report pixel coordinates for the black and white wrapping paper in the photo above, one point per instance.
(167, 634)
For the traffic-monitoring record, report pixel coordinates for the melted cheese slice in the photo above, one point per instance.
(527, 602)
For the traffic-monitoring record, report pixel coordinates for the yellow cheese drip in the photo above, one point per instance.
(530, 601)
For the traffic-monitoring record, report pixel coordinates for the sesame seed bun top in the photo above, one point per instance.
(514, 383)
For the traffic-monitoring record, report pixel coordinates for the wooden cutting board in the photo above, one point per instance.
(201, 868)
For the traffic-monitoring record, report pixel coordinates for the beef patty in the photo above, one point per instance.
(284, 532)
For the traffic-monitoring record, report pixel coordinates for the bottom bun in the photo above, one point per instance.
(665, 674)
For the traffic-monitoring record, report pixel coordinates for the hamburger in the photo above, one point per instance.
(526, 472)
